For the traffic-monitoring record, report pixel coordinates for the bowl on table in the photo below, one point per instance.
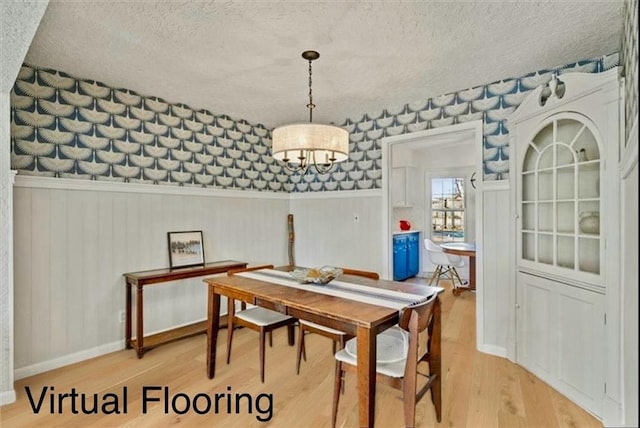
(317, 276)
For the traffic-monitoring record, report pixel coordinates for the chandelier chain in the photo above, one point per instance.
(311, 105)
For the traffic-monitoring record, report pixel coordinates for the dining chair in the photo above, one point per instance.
(398, 360)
(259, 319)
(446, 264)
(338, 337)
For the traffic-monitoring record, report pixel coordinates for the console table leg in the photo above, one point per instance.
(139, 324)
(127, 326)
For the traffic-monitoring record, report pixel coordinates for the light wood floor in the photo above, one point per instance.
(478, 390)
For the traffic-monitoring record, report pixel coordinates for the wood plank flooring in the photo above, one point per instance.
(479, 390)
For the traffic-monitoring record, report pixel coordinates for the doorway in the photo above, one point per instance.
(416, 156)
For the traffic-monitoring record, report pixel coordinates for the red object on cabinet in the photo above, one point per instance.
(405, 225)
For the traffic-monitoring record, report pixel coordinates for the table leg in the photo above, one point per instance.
(366, 368)
(472, 273)
(139, 323)
(127, 326)
(213, 325)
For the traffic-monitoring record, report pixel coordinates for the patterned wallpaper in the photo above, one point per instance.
(62, 126)
(630, 61)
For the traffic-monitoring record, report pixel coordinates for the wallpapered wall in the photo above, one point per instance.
(630, 61)
(62, 126)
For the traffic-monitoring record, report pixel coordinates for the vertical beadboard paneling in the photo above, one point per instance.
(22, 276)
(73, 245)
(496, 282)
(40, 273)
(76, 282)
(91, 295)
(106, 277)
(119, 256)
(58, 271)
(326, 233)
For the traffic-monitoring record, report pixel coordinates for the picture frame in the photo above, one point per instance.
(186, 248)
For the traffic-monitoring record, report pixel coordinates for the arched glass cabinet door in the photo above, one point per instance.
(560, 196)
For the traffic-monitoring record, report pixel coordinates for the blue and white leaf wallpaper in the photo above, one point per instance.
(63, 126)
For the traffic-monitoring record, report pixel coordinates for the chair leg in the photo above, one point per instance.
(337, 386)
(440, 273)
(435, 272)
(341, 342)
(291, 334)
(436, 397)
(453, 281)
(455, 272)
(263, 333)
(301, 348)
(230, 328)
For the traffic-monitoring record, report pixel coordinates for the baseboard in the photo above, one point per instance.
(493, 350)
(7, 397)
(65, 360)
(76, 357)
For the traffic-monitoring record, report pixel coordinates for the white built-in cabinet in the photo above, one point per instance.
(402, 186)
(564, 155)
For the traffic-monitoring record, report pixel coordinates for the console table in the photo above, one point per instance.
(157, 276)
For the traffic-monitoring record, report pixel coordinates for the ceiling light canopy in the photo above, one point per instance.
(299, 145)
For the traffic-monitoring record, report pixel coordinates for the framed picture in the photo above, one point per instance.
(185, 249)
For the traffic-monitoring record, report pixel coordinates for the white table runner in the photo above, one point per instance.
(348, 290)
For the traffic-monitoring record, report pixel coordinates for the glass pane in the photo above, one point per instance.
(565, 178)
(546, 159)
(528, 246)
(589, 223)
(545, 185)
(528, 187)
(543, 138)
(589, 255)
(567, 130)
(566, 252)
(447, 203)
(545, 249)
(545, 217)
(564, 155)
(565, 219)
(530, 159)
(587, 141)
(528, 216)
(589, 180)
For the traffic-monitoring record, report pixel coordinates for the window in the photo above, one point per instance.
(447, 209)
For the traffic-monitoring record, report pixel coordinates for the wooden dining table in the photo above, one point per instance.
(361, 320)
(464, 249)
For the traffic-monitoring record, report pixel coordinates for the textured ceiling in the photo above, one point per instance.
(243, 59)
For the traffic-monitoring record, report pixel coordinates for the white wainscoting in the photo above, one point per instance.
(495, 317)
(328, 233)
(73, 240)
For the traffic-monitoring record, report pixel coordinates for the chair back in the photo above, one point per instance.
(436, 255)
(416, 319)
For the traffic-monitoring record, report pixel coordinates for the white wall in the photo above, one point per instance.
(74, 239)
(326, 232)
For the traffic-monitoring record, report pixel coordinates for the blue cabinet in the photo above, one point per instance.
(406, 255)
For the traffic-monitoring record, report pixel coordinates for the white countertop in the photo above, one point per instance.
(403, 232)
